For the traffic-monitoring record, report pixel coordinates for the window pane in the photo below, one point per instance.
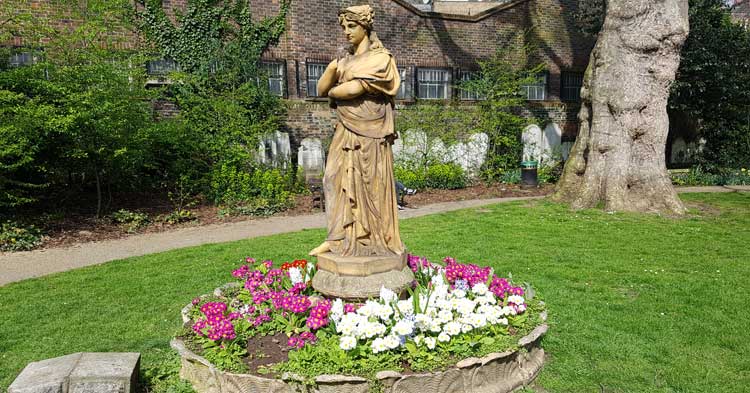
(433, 83)
(538, 90)
(275, 74)
(161, 66)
(571, 86)
(314, 72)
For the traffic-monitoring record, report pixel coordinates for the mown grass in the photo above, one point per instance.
(638, 303)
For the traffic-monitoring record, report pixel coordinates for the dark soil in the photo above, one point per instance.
(266, 350)
(74, 227)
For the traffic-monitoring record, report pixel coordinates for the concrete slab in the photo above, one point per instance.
(105, 372)
(46, 376)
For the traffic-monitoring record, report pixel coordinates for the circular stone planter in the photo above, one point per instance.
(494, 373)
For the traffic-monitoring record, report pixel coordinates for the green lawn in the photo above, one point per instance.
(637, 303)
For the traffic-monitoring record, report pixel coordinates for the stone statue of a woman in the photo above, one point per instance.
(360, 193)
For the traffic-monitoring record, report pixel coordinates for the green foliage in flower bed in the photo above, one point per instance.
(18, 237)
(442, 176)
(638, 303)
(697, 176)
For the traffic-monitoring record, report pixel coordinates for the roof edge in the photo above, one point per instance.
(461, 18)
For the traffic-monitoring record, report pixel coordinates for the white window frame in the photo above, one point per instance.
(313, 70)
(463, 94)
(433, 83)
(22, 58)
(537, 91)
(275, 74)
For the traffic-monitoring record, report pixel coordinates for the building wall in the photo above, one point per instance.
(416, 39)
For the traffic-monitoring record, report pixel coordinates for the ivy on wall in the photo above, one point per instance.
(213, 35)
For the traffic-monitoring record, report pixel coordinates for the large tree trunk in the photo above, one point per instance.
(619, 155)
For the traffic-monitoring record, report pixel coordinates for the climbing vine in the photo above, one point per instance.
(213, 35)
(221, 93)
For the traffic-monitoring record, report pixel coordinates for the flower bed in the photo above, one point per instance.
(457, 320)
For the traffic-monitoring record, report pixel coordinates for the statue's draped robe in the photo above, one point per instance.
(361, 205)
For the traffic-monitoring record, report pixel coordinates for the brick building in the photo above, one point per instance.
(433, 49)
(436, 43)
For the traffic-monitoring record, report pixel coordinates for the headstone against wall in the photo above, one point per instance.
(275, 150)
(565, 148)
(532, 143)
(311, 157)
(551, 141)
(470, 155)
(413, 146)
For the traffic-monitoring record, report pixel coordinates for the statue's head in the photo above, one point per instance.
(357, 22)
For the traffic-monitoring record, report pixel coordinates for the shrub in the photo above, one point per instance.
(697, 176)
(445, 176)
(17, 237)
(410, 178)
(130, 221)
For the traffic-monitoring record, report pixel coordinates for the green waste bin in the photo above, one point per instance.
(529, 174)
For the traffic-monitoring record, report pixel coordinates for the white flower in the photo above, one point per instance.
(443, 304)
(480, 289)
(503, 321)
(477, 320)
(392, 342)
(521, 308)
(444, 337)
(378, 345)
(403, 327)
(452, 328)
(445, 316)
(406, 307)
(418, 339)
(347, 343)
(348, 324)
(435, 326)
(438, 281)
(422, 321)
(515, 299)
(337, 310)
(430, 342)
(459, 293)
(465, 328)
(384, 312)
(466, 306)
(368, 309)
(295, 275)
(387, 295)
(507, 311)
(487, 298)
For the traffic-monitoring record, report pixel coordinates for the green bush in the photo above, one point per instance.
(17, 237)
(410, 178)
(446, 176)
(442, 176)
(697, 176)
(130, 221)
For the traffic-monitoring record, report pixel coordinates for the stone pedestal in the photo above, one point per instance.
(359, 278)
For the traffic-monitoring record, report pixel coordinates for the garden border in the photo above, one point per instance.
(496, 372)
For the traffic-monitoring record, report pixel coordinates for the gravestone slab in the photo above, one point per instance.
(80, 373)
(46, 376)
(105, 372)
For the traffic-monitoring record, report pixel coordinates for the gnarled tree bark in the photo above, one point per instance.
(619, 155)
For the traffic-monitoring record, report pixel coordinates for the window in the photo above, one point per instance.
(405, 91)
(464, 76)
(433, 83)
(22, 59)
(274, 72)
(538, 90)
(314, 72)
(161, 67)
(570, 86)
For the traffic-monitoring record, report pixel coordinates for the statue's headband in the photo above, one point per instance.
(361, 14)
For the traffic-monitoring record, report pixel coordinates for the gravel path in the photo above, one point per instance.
(23, 265)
